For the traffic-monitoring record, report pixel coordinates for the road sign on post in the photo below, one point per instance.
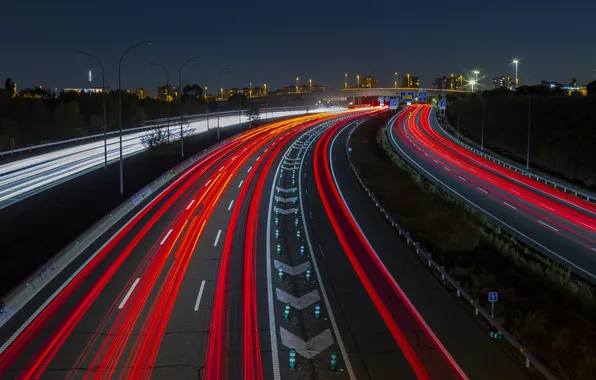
(422, 97)
(492, 298)
(407, 96)
(393, 104)
(443, 104)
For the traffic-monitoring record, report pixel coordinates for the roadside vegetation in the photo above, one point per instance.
(541, 303)
(562, 138)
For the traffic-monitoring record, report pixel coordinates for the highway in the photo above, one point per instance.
(25, 177)
(559, 225)
(264, 260)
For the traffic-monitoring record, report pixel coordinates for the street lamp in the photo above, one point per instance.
(297, 83)
(529, 123)
(105, 121)
(395, 79)
(516, 63)
(408, 75)
(357, 81)
(146, 43)
(310, 85)
(218, 76)
(346, 81)
(250, 84)
(180, 101)
(167, 94)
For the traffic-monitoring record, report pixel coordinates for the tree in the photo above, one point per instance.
(192, 92)
(236, 101)
(591, 87)
(67, 120)
(253, 111)
(10, 87)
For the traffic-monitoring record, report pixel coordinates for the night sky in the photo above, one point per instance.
(321, 40)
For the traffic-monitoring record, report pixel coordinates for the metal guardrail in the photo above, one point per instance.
(547, 181)
(426, 257)
(20, 295)
(189, 118)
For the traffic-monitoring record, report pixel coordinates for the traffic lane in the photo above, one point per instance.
(113, 255)
(570, 224)
(574, 213)
(539, 188)
(579, 259)
(463, 336)
(114, 291)
(368, 341)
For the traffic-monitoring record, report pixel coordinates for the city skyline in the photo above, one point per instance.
(266, 50)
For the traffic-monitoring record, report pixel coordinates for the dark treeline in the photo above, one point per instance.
(35, 116)
(563, 127)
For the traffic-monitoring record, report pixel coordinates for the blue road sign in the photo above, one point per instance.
(408, 96)
(422, 96)
(382, 102)
(493, 297)
(380, 98)
(443, 104)
(387, 99)
(393, 104)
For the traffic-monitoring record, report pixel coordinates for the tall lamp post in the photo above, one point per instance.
(310, 85)
(146, 43)
(529, 124)
(105, 119)
(167, 94)
(408, 75)
(346, 81)
(395, 79)
(358, 80)
(218, 76)
(180, 101)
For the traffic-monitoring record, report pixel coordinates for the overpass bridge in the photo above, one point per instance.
(357, 93)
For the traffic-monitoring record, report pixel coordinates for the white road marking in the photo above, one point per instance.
(241, 182)
(190, 204)
(217, 238)
(513, 207)
(463, 178)
(447, 168)
(481, 189)
(436, 162)
(230, 206)
(546, 207)
(200, 295)
(233, 158)
(134, 285)
(257, 159)
(249, 169)
(166, 237)
(208, 182)
(548, 225)
(222, 168)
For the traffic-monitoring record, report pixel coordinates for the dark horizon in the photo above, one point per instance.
(315, 40)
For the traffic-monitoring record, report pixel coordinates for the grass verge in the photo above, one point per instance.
(546, 308)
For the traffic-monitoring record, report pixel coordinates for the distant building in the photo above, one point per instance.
(502, 82)
(409, 81)
(167, 93)
(94, 90)
(442, 83)
(142, 93)
(369, 82)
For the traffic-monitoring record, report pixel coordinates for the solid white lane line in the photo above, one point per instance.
(200, 295)
(208, 182)
(217, 238)
(166, 237)
(548, 225)
(463, 178)
(230, 206)
(241, 182)
(190, 204)
(134, 285)
(481, 189)
(249, 169)
(513, 207)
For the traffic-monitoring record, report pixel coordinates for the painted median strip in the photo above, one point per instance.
(309, 349)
